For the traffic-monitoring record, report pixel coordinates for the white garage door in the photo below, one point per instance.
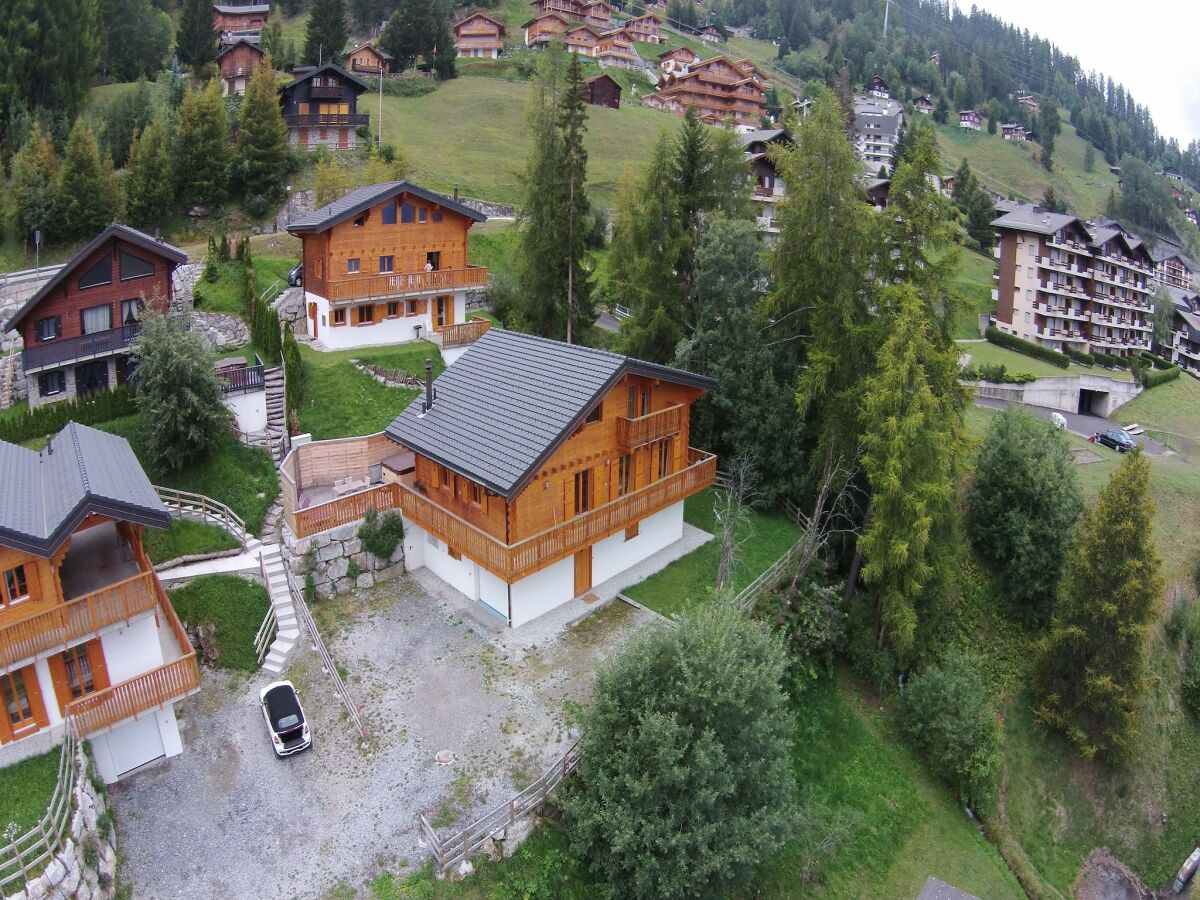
(135, 744)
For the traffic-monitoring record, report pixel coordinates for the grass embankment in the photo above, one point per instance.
(25, 790)
(1172, 410)
(228, 293)
(987, 353)
(234, 607)
(185, 537)
(689, 580)
(493, 245)
(342, 401)
(973, 283)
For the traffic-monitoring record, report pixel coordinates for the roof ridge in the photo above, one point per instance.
(83, 474)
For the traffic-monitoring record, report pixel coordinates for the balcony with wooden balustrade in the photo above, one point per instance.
(463, 334)
(655, 426)
(376, 288)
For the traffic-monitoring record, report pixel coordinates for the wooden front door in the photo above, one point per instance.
(312, 315)
(443, 315)
(24, 712)
(583, 571)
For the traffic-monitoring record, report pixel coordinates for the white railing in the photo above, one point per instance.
(266, 631)
(189, 505)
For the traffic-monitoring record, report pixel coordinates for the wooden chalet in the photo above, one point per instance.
(367, 59)
(582, 39)
(530, 472)
(970, 119)
(387, 263)
(598, 14)
(540, 29)
(923, 105)
(879, 88)
(712, 34)
(78, 327)
(603, 90)
(233, 20)
(1030, 102)
(645, 28)
(719, 88)
(237, 62)
(87, 634)
(769, 186)
(677, 60)
(320, 108)
(478, 35)
(1014, 131)
(616, 49)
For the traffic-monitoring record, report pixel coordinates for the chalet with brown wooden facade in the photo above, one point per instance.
(320, 108)
(677, 60)
(387, 263)
(719, 88)
(237, 62)
(646, 28)
(540, 29)
(233, 20)
(616, 49)
(603, 90)
(597, 13)
(88, 638)
(531, 472)
(367, 59)
(479, 36)
(582, 39)
(78, 328)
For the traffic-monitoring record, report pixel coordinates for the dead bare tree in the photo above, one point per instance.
(832, 515)
(737, 495)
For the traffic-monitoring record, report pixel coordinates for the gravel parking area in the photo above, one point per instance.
(227, 819)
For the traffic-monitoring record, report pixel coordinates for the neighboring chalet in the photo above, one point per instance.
(540, 29)
(616, 49)
(879, 191)
(530, 472)
(970, 119)
(879, 88)
(320, 108)
(719, 88)
(878, 125)
(603, 90)
(678, 60)
(367, 59)
(237, 62)
(923, 105)
(1068, 285)
(646, 29)
(769, 187)
(1030, 102)
(1014, 131)
(597, 13)
(387, 263)
(1172, 266)
(712, 34)
(582, 39)
(86, 631)
(479, 36)
(234, 20)
(78, 327)
(1185, 337)
(1172, 173)
(1192, 216)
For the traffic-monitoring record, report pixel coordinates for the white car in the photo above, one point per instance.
(285, 720)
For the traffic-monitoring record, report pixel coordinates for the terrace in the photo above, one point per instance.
(404, 284)
(66, 351)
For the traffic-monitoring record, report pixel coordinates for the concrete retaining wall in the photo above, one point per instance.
(1062, 392)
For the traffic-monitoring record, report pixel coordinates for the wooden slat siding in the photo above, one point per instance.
(381, 286)
(67, 623)
(321, 463)
(153, 689)
(464, 333)
(652, 427)
(346, 509)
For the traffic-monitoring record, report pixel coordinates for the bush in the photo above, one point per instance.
(380, 534)
(1180, 619)
(1028, 348)
(812, 621)
(49, 419)
(1084, 359)
(947, 715)
(1159, 376)
(997, 373)
(685, 760)
(294, 374)
(1157, 361)
(409, 87)
(1190, 688)
(353, 570)
(1109, 361)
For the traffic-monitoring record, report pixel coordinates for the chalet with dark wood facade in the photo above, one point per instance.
(603, 90)
(531, 472)
(387, 263)
(78, 328)
(237, 62)
(479, 36)
(87, 634)
(233, 20)
(367, 59)
(320, 107)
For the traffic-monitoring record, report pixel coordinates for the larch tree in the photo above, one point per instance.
(150, 185)
(1091, 676)
(263, 157)
(576, 210)
(31, 193)
(196, 38)
(327, 32)
(201, 155)
(87, 193)
(914, 447)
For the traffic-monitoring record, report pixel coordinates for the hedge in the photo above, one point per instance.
(1109, 361)
(1037, 351)
(411, 86)
(1157, 361)
(1155, 377)
(1084, 359)
(42, 420)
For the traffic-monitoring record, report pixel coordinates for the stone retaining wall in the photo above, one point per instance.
(327, 557)
(219, 331)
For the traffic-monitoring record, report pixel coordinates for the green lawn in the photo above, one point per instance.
(228, 293)
(689, 580)
(185, 537)
(1173, 408)
(986, 352)
(341, 401)
(25, 790)
(973, 283)
(242, 478)
(493, 246)
(234, 606)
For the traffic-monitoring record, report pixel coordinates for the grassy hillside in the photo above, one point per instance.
(973, 283)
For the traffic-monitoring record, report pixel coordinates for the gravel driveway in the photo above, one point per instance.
(227, 819)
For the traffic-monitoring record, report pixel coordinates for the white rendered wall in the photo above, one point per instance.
(464, 575)
(154, 734)
(493, 590)
(542, 591)
(614, 554)
(385, 331)
(249, 408)
(131, 649)
(49, 697)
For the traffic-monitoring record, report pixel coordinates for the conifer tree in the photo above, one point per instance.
(87, 193)
(327, 32)
(1091, 675)
(1089, 158)
(201, 155)
(196, 39)
(151, 187)
(272, 35)
(445, 54)
(262, 146)
(573, 125)
(31, 192)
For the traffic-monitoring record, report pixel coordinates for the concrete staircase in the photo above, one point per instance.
(287, 633)
(276, 413)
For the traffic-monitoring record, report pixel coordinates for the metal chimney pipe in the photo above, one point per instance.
(428, 384)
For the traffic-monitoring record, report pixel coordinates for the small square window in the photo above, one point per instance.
(387, 264)
(15, 586)
(339, 316)
(49, 328)
(410, 307)
(393, 309)
(352, 265)
(437, 217)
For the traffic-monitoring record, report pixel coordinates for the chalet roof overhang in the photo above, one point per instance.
(547, 15)
(152, 245)
(478, 15)
(358, 84)
(357, 202)
(382, 54)
(241, 42)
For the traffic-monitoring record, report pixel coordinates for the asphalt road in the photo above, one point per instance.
(1079, 423)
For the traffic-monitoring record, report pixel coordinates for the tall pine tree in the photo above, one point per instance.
(196, 39)
(327, 32)
(150, 185)
(201, 155)
(444, 54)
(31, 192)
(87, 193)
(262, 145)
(576, 213)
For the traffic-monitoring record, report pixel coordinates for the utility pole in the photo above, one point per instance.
(379, 121)
(887, 8)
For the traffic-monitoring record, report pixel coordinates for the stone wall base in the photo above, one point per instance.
(328, 556)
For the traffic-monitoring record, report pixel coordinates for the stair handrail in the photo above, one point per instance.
(269, 627)
(227, 519)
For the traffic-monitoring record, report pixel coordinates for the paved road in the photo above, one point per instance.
(1079, 423)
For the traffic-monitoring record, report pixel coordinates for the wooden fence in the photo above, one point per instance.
(464, 333)
(189, 505)
(458, 847)
(765, 582)
(266, 631)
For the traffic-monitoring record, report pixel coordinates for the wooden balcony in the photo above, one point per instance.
(382, 287)
(652, 427)
(66, 351)
(327, 120)
(325, 91)
(69, 623)
(463, 334)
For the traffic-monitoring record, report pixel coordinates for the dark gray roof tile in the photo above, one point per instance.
(364, 198)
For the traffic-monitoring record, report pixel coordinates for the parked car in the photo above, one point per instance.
(296, 276)
(285, 720)
(1117, 438)
(1186, 871)
(1059, 421)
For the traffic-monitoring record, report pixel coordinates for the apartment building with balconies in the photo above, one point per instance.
(720, 89)
(1069, 285)
(878, 124)
(87, 633)
(1173, 267)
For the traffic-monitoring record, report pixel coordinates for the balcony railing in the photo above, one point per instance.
(67, 623)
(325, 91)
(243, 379)
(332, 120)
(651, 427)
(379, 287)
(64, 351)
(464, 333)
(1062, 312)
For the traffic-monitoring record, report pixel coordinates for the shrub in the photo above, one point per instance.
(1190, 688)
(947, 715)
(812, 621)
(380, 534)
(293, 372)
(310, 589)
(1180, 619)
(99, 407)
(1157, 361)
(409, 87)
(1109, 361)
(1159, 376)
(1084, 359)
(1028, 348)
(993, 372)
(353, 570)
(685, 760)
